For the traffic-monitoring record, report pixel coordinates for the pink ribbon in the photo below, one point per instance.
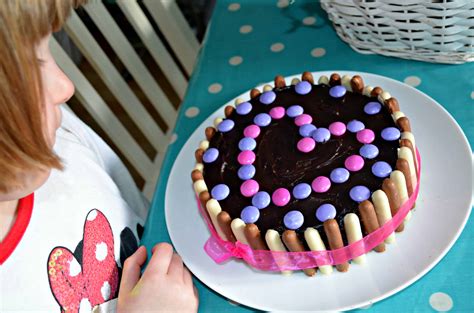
(221, 250)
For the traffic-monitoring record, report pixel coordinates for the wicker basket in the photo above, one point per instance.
(428, 30)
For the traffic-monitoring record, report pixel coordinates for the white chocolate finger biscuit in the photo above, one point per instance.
(346, 82)
(313, 239)
(272, 237)
(399, 180)
(409, 136)
(382, 208)
(238, 101)
(238, 227)
(199, 166)
(267, 88)
(204, 144)
(396, 115)
(214, 208)
(199, 186)
(405, 153)
(354, 233)
(323, 80)
(217, 121)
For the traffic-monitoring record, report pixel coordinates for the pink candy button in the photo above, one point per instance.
(365, 136)
(249, 188)
(337, 128)
(303, 119)
(246, 157)
(252, 131)
(321, 184)
(281, 197)
(277, 112)
(306, 144)
(354, 163)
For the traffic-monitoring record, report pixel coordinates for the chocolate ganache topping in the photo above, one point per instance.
(298, 155)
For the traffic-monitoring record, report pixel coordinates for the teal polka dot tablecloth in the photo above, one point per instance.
(248, 43)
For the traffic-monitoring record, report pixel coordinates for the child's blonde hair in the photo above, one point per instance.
(23, 145)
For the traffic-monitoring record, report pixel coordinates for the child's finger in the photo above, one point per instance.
(160, 260)
(176, 267)
(187, 277)
(131, 269)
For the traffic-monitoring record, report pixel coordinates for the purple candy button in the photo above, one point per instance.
(262, 119)
(250, 214)
(294, 110)
(247, 143)
(226, 125)
(369, 151)
(267, 97)
(303, 87)
(390, 133)
(220, 192)
(381, 169)
(326, 212)
(293, 220)
(321, 134)
(337, 91)
(210, 155)
(359, 193)
(354, 126)
(339, 175)
(246, 172)
(261, 200)
(372, 108)
(307, 130)
(301, 191)
(244, 108)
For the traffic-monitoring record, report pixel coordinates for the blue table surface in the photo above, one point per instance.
(250, 31)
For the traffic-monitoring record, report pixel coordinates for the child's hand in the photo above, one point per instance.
(166, 285)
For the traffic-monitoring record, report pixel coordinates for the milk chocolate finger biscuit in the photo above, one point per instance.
(335, 241)
(254, 238)
(315, 243)
(370, 221)
(388, 186)
(294, 245)
(224, 220)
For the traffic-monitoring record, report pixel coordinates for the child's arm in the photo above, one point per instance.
(166, 285)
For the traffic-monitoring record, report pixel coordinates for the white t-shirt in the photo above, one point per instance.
(85, 221)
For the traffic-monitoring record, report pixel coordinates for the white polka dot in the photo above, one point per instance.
(277, 47)
(472, 95)
(85, 306)
(235, 60)
(233, 302)
(215, 88)
(105, 290)
(310, 20)
(101, 251)
(233, 7)
(92, 215)
(173, 138)
(441, 302)
(74, 267)
(412, 81)
(366, 307)
(318, 52)
(191, 112)
(283, 3)
(245, 29)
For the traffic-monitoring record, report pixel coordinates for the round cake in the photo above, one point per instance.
(308, 166)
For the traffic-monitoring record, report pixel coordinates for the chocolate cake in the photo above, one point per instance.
(307, 166)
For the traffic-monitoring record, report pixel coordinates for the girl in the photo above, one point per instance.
(70, 215)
